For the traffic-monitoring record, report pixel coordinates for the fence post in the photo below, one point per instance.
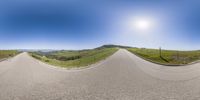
(177, 55)
(160, 52)
(79, 60)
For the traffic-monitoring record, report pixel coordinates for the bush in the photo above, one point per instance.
(46, 60)
(37, 57)
(63, 58)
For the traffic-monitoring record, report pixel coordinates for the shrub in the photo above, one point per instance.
(37, 57)
(63, 58)
(46, 60)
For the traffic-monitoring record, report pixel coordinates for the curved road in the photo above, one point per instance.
(123, 76)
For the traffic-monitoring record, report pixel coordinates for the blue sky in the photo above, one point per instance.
(79, 24)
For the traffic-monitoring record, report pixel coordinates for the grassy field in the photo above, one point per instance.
(71, 59)
(7, 53)
(167, 56)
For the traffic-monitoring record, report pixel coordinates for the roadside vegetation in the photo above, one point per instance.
(71, 58)
(8, 53)
(169, 57)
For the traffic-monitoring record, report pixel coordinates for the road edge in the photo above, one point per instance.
(74, 69)
(171, 65)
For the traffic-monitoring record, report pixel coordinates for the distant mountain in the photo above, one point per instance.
(112, 46)
(51, 50)
(33, 50)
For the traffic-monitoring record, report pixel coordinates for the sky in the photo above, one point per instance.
(82, 24)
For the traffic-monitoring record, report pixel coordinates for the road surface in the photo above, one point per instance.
(122, 76)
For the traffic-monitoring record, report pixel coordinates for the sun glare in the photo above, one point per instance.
(141, 24)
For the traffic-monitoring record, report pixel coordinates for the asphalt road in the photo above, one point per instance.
(123, 76)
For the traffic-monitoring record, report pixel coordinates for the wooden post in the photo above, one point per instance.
(160, 53)
(177, 55)
(79, 60)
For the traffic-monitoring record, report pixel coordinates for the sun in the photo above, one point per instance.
(141, 24)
